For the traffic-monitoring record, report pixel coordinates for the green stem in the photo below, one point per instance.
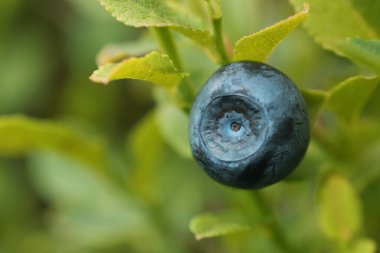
(167, 45)
(277, 231)
(219, 42)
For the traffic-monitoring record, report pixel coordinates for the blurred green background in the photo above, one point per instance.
(148, 192)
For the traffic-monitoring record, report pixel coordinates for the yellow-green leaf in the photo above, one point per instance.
(215, 8)
(258, 46)
(217, 224)
(158, 13)
(203, 38)
(370, 10)
(363, 245)
(348, 98)
(339, 211)
(116, 52)
(154, 67)
(314, 100)
(363, 52)
(20, 135)
(331, 21)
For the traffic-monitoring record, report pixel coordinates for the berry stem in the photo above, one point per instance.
(219, 42)
(168, 46)
(278, 234)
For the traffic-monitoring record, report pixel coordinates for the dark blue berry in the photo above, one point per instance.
(249, 126)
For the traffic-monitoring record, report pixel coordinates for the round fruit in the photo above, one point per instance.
(249, 126)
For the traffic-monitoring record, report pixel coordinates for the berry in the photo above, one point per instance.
(249, 126)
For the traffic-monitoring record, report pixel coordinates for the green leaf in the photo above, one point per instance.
(159, 176)
(145, 139)
(173, 124)
(154, 67)
(217, 224)
(113, 53)
(87, 208)
(370, 10)
(215, 8)
(314, 100)
(339, 212)
(203, 38)
(312, 164)
(363, 52)
(363, 245)
(258, 46)
(332, 21)
(20, 135)
(369, 144)
(158, 13)
(348, 98)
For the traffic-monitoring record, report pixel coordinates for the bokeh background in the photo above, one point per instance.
(50, 202)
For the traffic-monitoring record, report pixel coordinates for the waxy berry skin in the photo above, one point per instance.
(249, 126)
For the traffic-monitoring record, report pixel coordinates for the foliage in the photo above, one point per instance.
(89, 168)
(155, 67)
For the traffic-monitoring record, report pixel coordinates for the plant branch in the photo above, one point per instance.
(165, 39)
(219, 42)
(277, 232)
(167, 45)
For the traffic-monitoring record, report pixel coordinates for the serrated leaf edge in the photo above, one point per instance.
(106, 80)
(304, 12)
